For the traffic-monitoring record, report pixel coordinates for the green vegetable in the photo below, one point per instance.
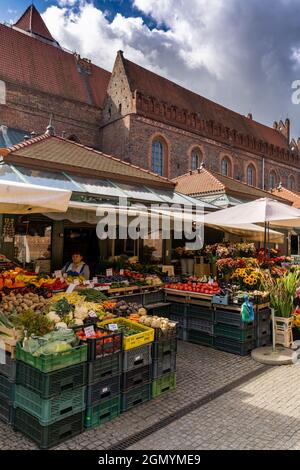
(92, 295)
(35, 323)
(53, 347)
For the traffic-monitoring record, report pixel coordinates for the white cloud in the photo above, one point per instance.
(241, 54)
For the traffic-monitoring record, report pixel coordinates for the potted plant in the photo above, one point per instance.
(282, 293)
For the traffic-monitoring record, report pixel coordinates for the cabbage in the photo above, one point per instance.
(53, 348)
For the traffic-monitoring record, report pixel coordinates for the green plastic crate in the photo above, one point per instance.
(228, 331)
(53, 383)
(48, 436)
(163, 384)
(199, 337)
(103, 412)
(51, 410)
(49, 362)
(135, 396)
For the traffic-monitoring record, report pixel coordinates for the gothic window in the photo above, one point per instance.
(195, 159)
(251, 175)
(272, 180)
(226, 166)
(157, 161)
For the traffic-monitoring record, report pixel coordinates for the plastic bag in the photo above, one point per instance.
(247, 310)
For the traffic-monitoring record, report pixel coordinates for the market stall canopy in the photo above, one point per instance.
(21, 198)
(250, 232)
(264, 210)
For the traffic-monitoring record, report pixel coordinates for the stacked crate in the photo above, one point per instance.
(50, 395)
(136, 376)
(164, 351)
(200, 324)
(7, 386)
(231, 333)
(103, 379)
(263, 326)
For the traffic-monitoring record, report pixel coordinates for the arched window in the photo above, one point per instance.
(157, 160)
(291, 182)
(272, 180)
(251, 174)
(195, 159)
(226, 166)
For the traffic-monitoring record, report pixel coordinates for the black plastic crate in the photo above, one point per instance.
(263, 315)
(234, 347)
(160, 309)
(177, 308)
(181, 319)
(131, 298)
(198, 337)
(9, 368)
(135, 397)
(263, 341)
(110, 343)
(104, 390)
(263, 330)
(165, 365)
(136, 378)
(53, 383)
(195, 323)
(161, 348)
(48, 436)
(153, 297)
(104, 368)
(232, 317)
(137, 357)
(201, 312)
(6, 410)
(7, 388)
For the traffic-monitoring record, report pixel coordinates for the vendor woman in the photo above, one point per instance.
(77, 267)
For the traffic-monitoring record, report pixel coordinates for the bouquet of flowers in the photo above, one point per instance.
(247, 277)
(245, 249)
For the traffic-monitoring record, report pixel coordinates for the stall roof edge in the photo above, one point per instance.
(60, 153)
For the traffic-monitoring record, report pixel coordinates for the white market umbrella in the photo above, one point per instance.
(264, 210)
(23, 198)
(251, 232)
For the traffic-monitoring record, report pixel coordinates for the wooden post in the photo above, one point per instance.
(57, 247)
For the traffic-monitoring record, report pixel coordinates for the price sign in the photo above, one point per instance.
(109, 272)
(89, 331)
(37, 269)
(58, 274)
(102, 288)
(70, 289)
(112, 326)
(76, 282)
(87, 283)
(121, 272)
(95, 279)
(92, 314)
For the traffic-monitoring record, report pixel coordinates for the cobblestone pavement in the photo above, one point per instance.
(264, 413)
(200, 371)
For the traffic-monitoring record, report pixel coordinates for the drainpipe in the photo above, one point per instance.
(263, 173)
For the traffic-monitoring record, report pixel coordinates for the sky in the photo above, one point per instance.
(244, 54)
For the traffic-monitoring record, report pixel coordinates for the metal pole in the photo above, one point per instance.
(273, 330)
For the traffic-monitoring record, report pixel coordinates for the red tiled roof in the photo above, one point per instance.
(59, 153)
(32, 22)
(207, 182)
(289, 195)
(30, 62)
(153, 85)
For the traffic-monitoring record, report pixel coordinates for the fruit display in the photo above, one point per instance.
(196, 287)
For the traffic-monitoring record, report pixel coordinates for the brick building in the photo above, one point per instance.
(154, 122)
(38, 78)
(133, 113)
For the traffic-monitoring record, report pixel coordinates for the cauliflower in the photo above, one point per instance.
(52, 316)
(80, 312)
(61, 324)
(77, 322)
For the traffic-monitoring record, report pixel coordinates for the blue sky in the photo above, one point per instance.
(12, 9)
(244, 54)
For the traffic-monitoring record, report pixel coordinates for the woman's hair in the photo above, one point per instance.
(77, 252)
